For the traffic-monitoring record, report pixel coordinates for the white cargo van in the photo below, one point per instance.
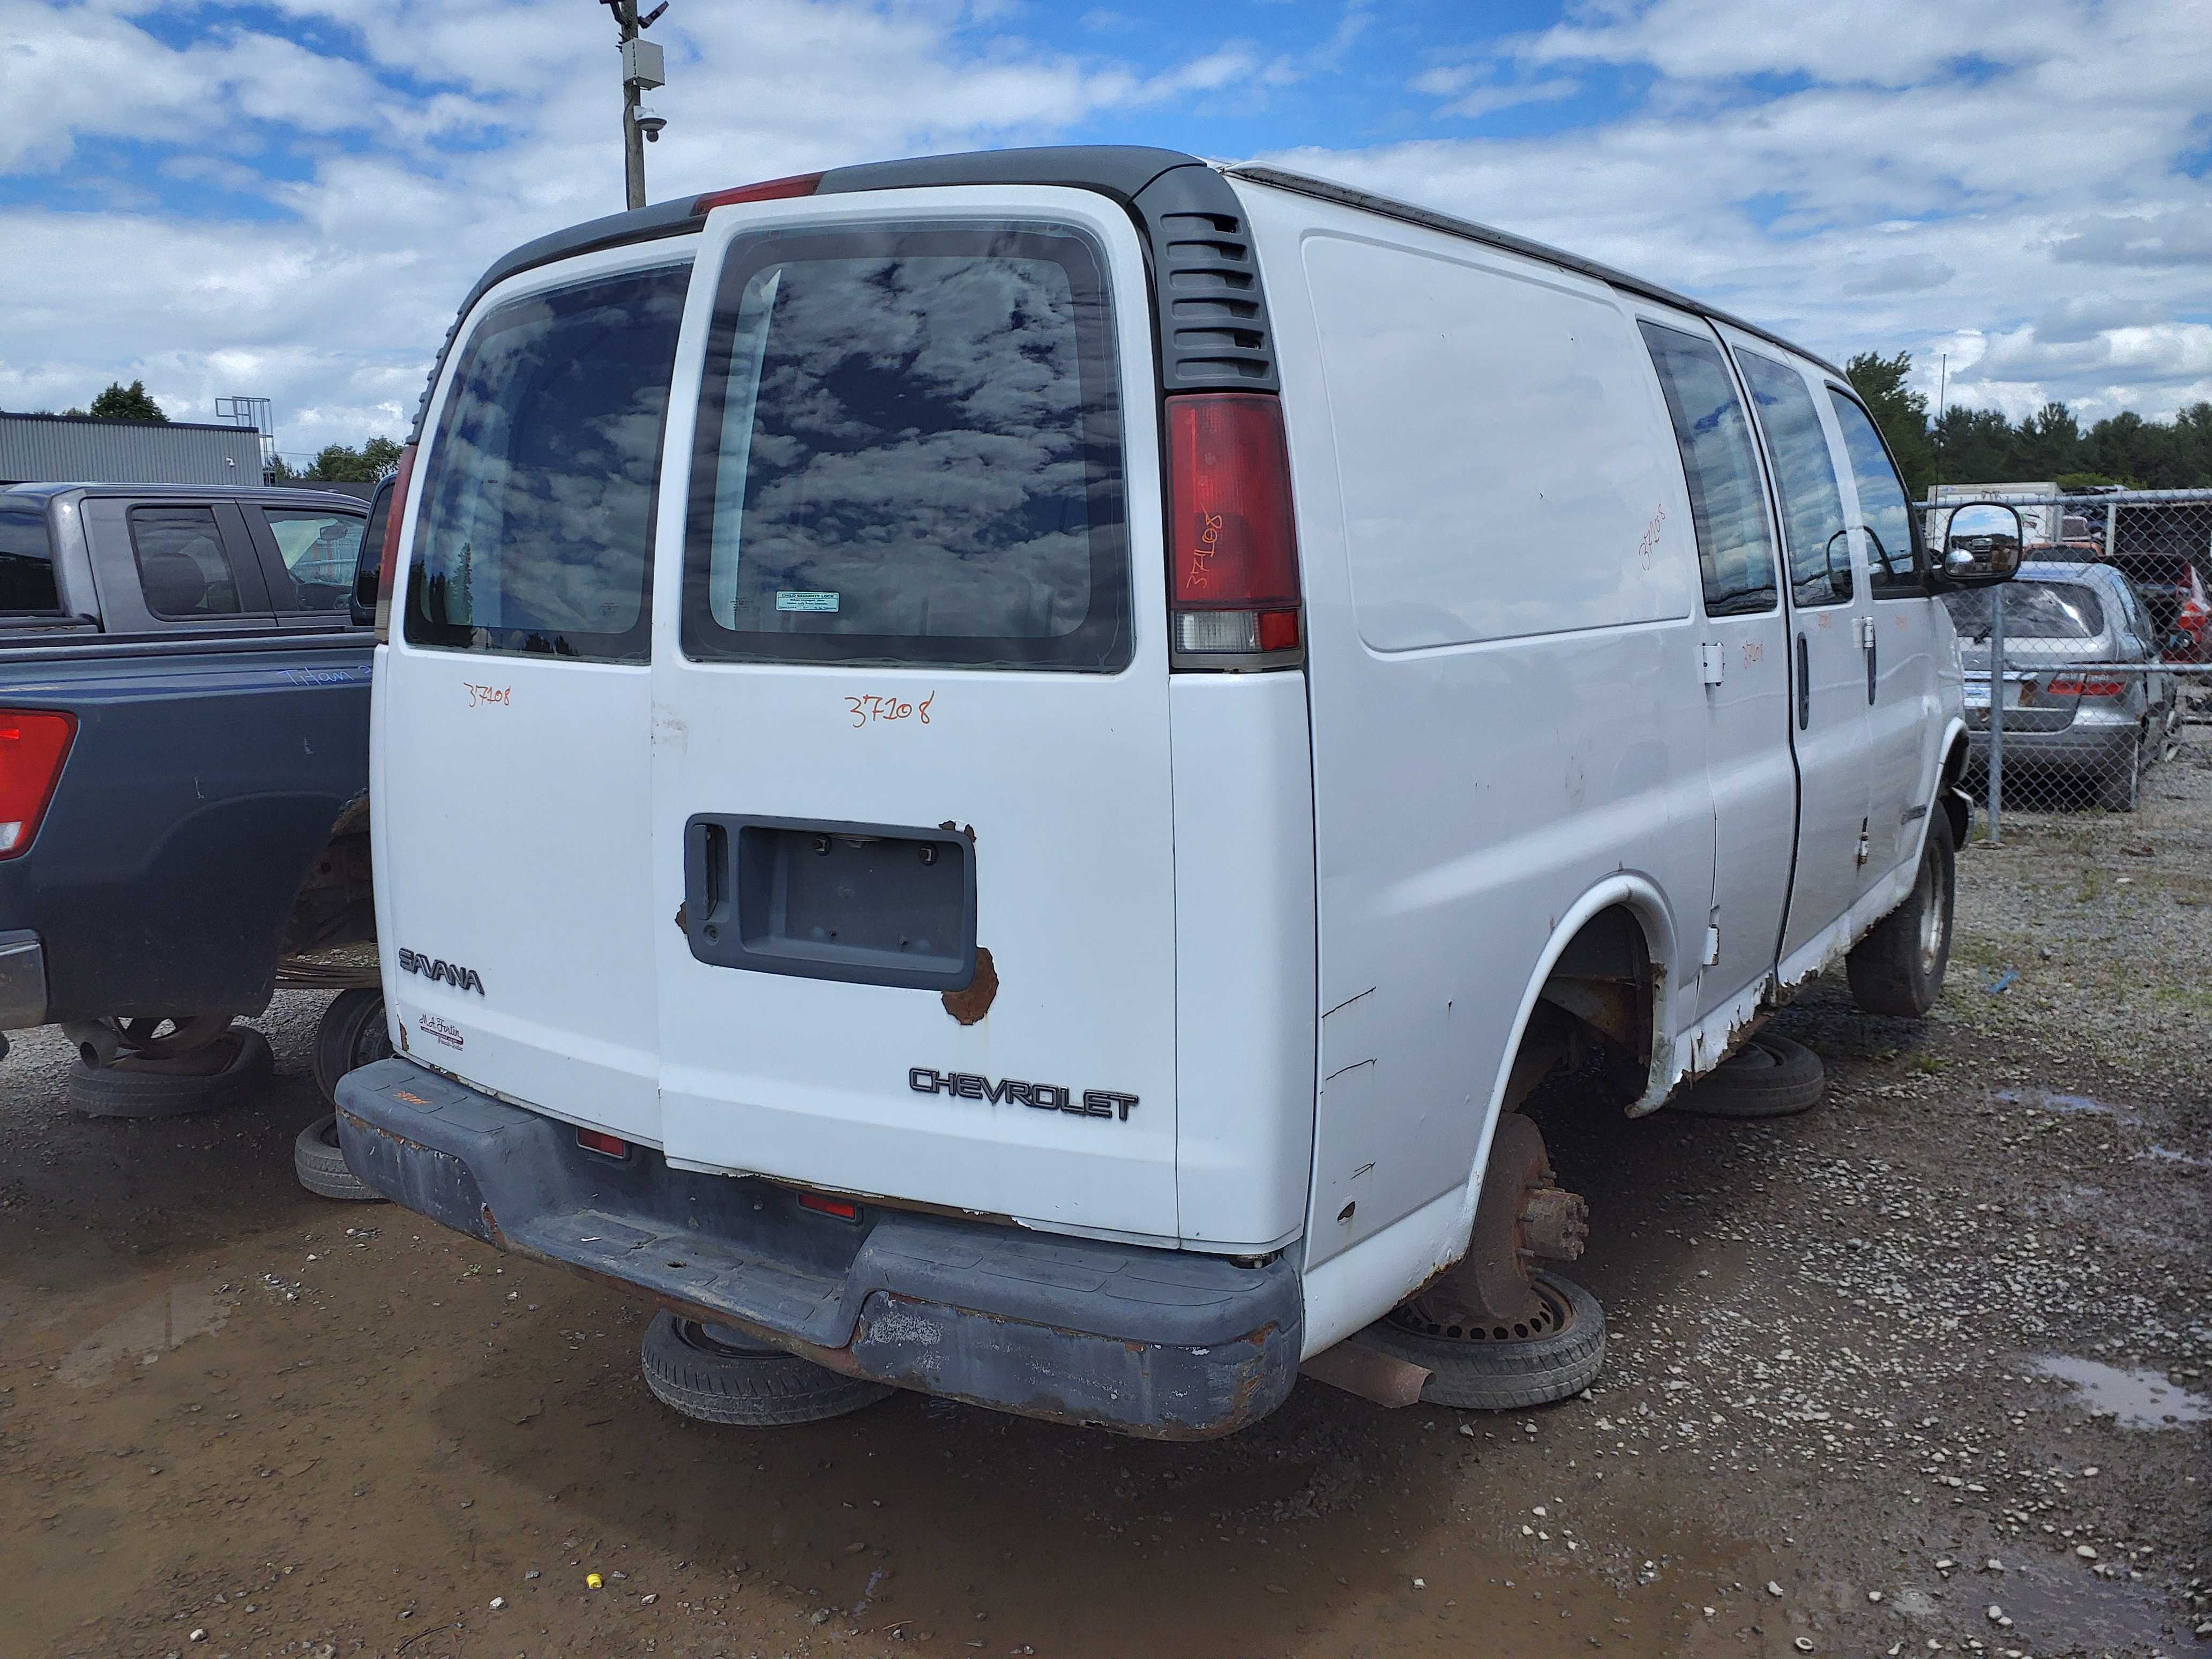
(995, 774)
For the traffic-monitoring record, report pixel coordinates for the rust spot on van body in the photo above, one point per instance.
(973, 1001)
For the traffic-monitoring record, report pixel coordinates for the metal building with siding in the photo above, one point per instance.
(81, 449)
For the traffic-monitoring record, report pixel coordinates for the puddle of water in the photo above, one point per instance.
(144, 1334)
(2136, 1399)
(2050, 1101)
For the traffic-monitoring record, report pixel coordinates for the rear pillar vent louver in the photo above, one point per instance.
(1214, 317)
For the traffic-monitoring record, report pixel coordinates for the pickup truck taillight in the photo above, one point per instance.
(32, 745)
(393, 515)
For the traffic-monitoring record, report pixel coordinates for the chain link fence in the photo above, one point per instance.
(2089, 676)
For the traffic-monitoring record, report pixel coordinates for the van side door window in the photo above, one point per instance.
(1813, 531)
(1896, 561)
(184, 570)
(1736, 551)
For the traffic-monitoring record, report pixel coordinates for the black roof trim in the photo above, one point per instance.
(1218, 355)
(1329, 190)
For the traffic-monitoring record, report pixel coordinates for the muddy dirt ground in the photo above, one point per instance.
(1926, 1370)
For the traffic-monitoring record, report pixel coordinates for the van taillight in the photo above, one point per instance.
(1232, 546)
(768, 190)
(392, 514)
(32, 746)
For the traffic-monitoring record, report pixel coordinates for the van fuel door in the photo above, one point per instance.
(1713, 661)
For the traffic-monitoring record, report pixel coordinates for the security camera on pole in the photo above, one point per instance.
(643, 69)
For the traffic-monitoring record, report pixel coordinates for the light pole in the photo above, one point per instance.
(644, 67)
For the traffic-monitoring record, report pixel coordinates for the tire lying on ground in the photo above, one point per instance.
(1481, 1372)
(715, 1373)
(351, 1033)
(1898, 967)
(321, 1166)
(227, 1070)
(1769, 1077)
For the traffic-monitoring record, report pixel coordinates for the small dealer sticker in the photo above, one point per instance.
(444, 1030)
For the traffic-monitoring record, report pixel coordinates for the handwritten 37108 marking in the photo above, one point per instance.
(867, 710)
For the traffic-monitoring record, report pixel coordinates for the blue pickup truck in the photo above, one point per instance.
(184, 781)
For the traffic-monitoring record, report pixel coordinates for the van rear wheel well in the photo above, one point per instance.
(1593, 1014)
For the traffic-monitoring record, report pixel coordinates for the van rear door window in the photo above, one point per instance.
(1804, 478)
(536, 532)
(1735, 550)
(909, 451)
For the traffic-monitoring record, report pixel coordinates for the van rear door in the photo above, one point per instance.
(510, 771)
(910, 831)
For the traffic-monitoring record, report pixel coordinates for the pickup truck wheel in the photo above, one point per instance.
(321, 1166)
(712, 1373)
(352, 1034)
(1897, 969)
(226, 1070)
(1769, 1077)
(1477, 1369)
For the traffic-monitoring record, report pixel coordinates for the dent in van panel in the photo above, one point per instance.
(1494, 452)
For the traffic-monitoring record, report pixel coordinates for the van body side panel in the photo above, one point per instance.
(1504, 669)
(1244, 958)
(791, 685)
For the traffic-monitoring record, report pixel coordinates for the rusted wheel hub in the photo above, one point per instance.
(1490, 1296)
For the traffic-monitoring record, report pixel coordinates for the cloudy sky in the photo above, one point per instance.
(288, 198)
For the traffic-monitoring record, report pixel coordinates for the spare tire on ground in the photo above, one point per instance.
(352, 1034)
(1769, 1077)
(225, 1071)
(1476, 1370)
(718, 1375)
(321, 1166)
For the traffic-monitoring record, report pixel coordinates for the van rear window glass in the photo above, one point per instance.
(909, 451)
(26, 563)
(535, 531)
(1804, 478)
(1736, 551)
(2032, 611)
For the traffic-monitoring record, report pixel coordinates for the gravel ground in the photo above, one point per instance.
(1926, 1370)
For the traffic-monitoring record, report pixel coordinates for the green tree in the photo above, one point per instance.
(1902, 415)
(2048, 443)
(1975, 445)
(342, 464)
(130, 402)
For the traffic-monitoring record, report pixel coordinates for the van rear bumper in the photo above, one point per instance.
(1165, 1344)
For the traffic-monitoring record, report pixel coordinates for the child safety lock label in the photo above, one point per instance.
(786, 600)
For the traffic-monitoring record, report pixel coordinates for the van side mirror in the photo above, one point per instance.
(369, 564)
(1981, 545)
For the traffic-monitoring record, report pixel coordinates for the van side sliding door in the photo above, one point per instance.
(1829, 618)
(1744, 646)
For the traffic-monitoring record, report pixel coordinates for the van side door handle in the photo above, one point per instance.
(1804, 685)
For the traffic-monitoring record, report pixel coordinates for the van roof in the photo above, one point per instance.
(1124, 172)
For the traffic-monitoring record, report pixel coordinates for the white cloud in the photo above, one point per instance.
(2027, 208)
(1982, 169)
